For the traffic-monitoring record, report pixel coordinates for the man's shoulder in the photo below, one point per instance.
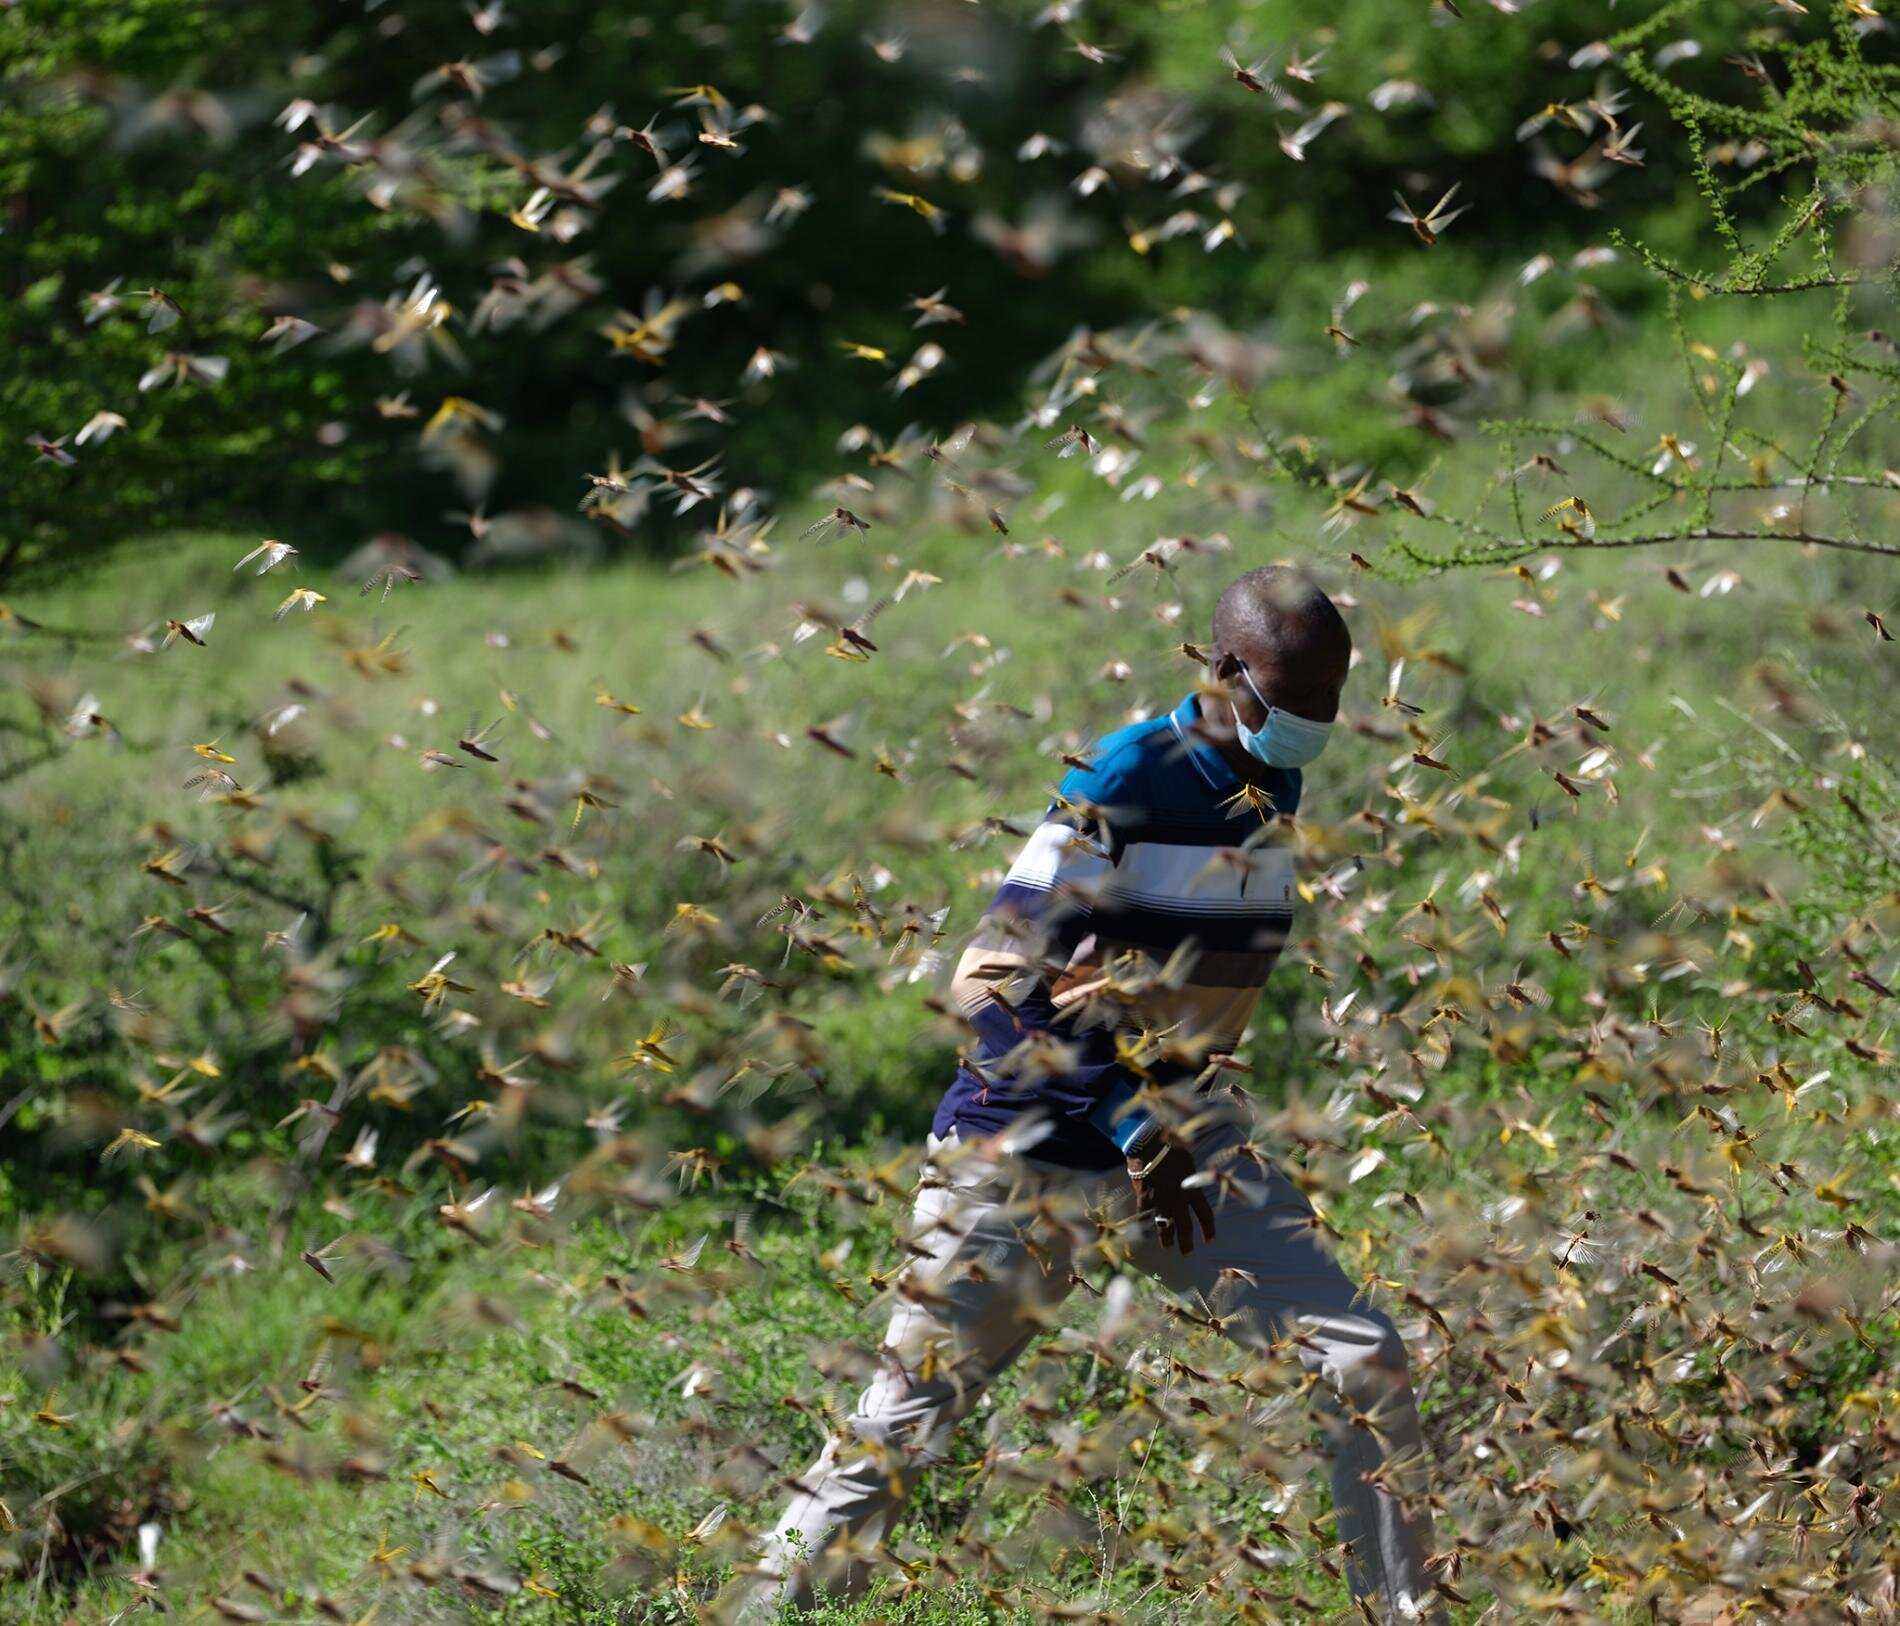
(1118, 764)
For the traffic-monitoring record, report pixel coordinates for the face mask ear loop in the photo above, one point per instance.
(1240, 729)
(1256, 694)
(1247, 874)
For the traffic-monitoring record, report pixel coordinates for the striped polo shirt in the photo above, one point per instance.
(1151, 899)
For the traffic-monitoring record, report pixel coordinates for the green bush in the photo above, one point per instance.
(140, 147)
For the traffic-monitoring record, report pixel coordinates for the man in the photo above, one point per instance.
(1126, 947)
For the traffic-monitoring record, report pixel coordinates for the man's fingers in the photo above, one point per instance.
(1204, 1212)
(1175, 1212)
(1176, 1226)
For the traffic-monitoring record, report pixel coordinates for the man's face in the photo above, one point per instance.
(1305, 685)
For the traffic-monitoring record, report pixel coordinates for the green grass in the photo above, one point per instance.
(437, 1368)
(1583, 1051)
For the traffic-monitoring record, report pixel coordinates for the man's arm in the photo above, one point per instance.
(1026, 967)
(1029, 968)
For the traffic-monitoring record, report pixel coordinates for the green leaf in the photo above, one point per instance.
(39, 296)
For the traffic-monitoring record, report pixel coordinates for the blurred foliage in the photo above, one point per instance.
(481, 1030)
(145, 146)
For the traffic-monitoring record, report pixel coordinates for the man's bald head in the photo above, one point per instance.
(1277, 623)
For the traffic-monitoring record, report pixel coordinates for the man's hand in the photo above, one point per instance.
(1158, 1192)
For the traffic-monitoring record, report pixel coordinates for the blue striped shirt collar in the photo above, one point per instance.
(1212, 766)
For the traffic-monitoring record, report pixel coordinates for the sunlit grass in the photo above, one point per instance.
(469, 1350)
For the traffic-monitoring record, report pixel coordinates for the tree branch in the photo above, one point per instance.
(1505, 547)
(1819, 482)
(1676, 272)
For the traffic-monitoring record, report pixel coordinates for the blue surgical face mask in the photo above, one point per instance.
(1287, 741)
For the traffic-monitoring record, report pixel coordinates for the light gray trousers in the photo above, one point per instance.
(993, 1258)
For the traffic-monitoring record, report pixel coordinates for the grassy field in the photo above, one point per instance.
(1669, 1087)
(466, 1037)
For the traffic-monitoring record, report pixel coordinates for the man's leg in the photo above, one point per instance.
(1292, 1285)
(986, 1287)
